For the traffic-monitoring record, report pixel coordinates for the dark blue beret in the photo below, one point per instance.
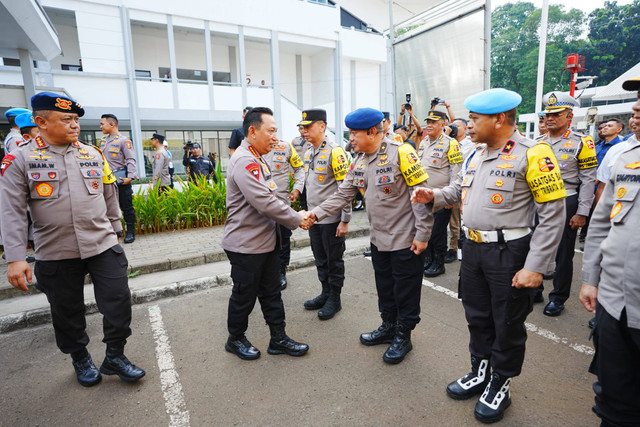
(54, 102)
(25, 120)
(493, 101)
(363, 118)
(13, 112)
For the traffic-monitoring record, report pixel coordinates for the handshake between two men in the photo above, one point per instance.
(308, 219)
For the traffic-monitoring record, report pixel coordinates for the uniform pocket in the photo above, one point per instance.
(93, 180)
(43, 184)
(625, 197)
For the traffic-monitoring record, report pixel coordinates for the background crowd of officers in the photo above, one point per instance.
(517, 203)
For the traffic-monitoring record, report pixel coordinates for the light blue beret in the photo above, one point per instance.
(363, 118)
(25, 120)
(493, 101)
(12, 112)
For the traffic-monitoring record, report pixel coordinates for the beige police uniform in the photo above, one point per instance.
(611, 263)
(281, 159)
(384, 179)
(301, 145)
(161, 162)
(250, 238)
(578, 164)
(13, 140)
(118, 150)
(501, 190)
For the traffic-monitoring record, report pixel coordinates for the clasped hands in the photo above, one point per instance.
(307, 219)
(422, 195)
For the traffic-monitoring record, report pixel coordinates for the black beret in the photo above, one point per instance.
(53, 102)
(310, 116)
(158, 137)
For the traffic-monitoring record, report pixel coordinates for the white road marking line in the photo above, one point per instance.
(585, 349)
(169, 379)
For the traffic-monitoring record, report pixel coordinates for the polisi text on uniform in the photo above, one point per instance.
(504, 174)
(384, 170)
(88, 164)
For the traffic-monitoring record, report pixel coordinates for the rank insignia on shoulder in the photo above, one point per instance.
(508, 147)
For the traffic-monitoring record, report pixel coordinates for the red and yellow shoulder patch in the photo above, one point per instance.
(6, 162)
(254, 168)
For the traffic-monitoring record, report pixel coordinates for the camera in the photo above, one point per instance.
(435, 101)
(188, 145)
(408, 100)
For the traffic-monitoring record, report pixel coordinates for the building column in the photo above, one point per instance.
(28, 74)
(275, 78)
(132, 90)
(352, 69)
(207, 50)
(337, 76)
(299, 87)
(172, 62)
(243, 65)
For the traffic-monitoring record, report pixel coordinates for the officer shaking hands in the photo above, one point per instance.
(73, 198)
(503, 183)
(384, 171)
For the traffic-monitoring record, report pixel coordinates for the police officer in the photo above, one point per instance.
(251, 239)
(13, 138)
(325, 165)
(161, 162)
(506, 180)
(73, 199)
(611, 287)
(301, 145)
(118, 150)
(384, 171)
(27, 125)
(282, 158)
(577, 162)
(197, 163)
(441, 157)
(237, 135)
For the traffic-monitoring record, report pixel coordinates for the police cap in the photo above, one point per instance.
(386, 115)
(436, 115)
(53, 102)
(558, 101)
(631, 84)
(13, 112)
(493, 101)
(25, 120)
(314, 115)
(363, 118)
(158, 137)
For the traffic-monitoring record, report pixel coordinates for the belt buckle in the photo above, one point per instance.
(475, 236)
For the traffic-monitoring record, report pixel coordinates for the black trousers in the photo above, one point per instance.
(328, 250)
(125, 197)
(303, 199)
(617, 365)
(564, 258)
(438, 241)
(399, 284)
(254, 276)
(285, 248)
(63, 283)
(495, 310)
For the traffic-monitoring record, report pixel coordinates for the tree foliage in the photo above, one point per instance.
(612, 45)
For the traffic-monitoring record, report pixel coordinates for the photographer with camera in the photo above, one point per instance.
(414, 130)
(450, 116)
(198, 164)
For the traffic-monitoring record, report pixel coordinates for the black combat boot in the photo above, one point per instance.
(241, 347)
(428, 259)
(86, 372)
(400, 346)
(318, 302)
(473, 383)
(332, 305)
(283, 277)
(116, 363)
(437, 266)
(131, 233)
(383, 335)
(495, 399)
(280, 343)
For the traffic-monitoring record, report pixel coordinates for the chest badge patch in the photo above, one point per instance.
(505, 166)
(546, 165)
(52, 175)
(386, 190)
(508, 157)
(615, 210)
(464, 194)
(320, 178)
(497, 199)
(44, 189)
(634, 165)
(95, 185)
(499, 183)
(621, 192)
(35, 175)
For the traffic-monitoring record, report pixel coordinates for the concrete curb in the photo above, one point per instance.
(41, 316)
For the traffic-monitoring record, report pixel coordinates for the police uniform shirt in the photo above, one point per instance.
(73, 201)
(604, 169)
(252, 207)
(325, 167)
(198, 166)
(301, 145)
(505, 187)
(280, 160)
(118, 150)
(612, 247)
(161, 168)
(441, 158)
(13, 140)
(385, 179)
(576, 156)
